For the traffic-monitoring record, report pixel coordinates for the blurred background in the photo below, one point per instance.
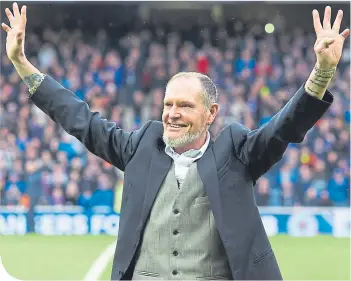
(118, 57)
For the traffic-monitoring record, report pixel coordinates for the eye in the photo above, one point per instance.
(187, 105)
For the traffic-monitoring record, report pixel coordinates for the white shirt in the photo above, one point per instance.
(183, 161)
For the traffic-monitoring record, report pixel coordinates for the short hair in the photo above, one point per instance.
(210, 94)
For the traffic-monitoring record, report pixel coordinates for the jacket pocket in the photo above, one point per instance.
(146, 273)
(201, 200)
(260, 258)
(224, 169)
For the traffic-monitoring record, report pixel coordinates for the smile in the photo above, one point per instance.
(176, 125)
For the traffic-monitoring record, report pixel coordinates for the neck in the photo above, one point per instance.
(196, 144)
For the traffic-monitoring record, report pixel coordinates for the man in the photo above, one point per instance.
(188, 209)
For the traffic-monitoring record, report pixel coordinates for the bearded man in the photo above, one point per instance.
(188, 207)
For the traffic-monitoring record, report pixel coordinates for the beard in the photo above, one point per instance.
(184, 139)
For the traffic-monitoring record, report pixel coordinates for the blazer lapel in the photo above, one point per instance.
(160, 165)
(208, 173)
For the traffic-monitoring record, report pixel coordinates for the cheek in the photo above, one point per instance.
(164, 116)
(199, 123)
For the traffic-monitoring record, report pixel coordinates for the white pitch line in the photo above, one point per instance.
(100, 264)
(4, 276)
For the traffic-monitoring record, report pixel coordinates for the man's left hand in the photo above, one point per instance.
(329, 43)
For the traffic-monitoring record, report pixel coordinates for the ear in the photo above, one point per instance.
(213, 113)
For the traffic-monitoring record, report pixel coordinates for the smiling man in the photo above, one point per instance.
(188, 209)
(190, 106)
(189, 109)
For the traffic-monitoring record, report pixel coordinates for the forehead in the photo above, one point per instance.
(188, 88)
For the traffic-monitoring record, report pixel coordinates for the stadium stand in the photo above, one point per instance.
(124, 79)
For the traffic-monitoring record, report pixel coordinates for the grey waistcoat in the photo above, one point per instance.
(180, 240)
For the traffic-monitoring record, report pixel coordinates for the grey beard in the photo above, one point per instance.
(183, 140)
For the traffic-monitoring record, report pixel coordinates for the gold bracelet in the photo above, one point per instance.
(325, 73)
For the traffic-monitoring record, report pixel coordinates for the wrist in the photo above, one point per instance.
(319, 80)
(20, 60)
(324, 66)
(324, 71)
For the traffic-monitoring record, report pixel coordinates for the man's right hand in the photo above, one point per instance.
(15, 33)
(15, 47)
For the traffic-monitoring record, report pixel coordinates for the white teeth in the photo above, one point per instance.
(175, 126)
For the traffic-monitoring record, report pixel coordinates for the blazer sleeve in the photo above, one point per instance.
(101, 137)
(260, 149)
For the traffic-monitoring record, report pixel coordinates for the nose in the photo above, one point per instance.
(174, 113)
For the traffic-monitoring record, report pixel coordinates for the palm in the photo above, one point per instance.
(329, 43)
(15, 33)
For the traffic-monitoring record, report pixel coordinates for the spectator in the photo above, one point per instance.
(338, 188)
(39, 163)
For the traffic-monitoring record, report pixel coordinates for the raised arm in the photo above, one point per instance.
(262, 148)
(328, 49)
(104, 139)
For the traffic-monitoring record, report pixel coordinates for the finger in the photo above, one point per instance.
(337, 22)
(16, 10)
(324, 44)
(24, 16)
(328, 42)
(9, 15)
(345, 33)
(316, 21)
(327, 16)
(5, 27)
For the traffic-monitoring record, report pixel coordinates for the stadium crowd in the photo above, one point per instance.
(124, 79)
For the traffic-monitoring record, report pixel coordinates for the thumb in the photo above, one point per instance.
(323, 44)
(345, 33)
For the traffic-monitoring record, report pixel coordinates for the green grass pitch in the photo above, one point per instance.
(34, 257)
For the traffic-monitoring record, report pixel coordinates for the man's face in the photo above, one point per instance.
(185, 116)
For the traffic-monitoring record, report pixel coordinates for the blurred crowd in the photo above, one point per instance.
(124, 79)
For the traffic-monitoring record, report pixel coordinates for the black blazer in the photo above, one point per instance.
(229, 169)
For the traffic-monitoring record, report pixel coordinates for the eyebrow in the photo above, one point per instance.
(181, 103)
